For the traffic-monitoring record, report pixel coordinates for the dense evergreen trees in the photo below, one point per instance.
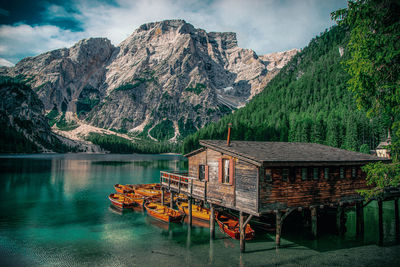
(308, 101)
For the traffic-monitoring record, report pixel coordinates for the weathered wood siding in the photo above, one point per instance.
(295, 192)
(246, 186)
(242, 194)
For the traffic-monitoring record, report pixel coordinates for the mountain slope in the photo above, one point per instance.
(25, 129)
(307, 101)
(167, 75)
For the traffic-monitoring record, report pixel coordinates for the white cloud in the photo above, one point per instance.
(262, 25)
(22, 40)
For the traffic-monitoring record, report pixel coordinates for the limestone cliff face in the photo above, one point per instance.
(164, 71)
(25, 127)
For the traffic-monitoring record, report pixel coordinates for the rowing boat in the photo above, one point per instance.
(123, 188)
(120, 201)
(148, 192)
(198, 212)
(162, 213)
(229, 224)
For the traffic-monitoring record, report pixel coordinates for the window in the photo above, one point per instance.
(304, 174)
(292, 176)
(285, 174)
(341, 173)
(202, 172)
(353, 173)
(268, 175)
(225, 171)
(326, 173)
(315, 173)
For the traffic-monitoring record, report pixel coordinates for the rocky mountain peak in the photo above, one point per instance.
(166, 75)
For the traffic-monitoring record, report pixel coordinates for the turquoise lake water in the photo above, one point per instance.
(55, 212)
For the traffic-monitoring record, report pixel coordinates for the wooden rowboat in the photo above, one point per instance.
(229, 224)
(163, 213)
(123, 188)
(120, 201)
(198, 212)
(147, 192)
(138, 199)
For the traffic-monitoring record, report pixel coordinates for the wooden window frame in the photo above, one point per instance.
(204, 172)
(285, 177)
(304, 174)
(268, 175)
(316, 174)
(342, 173)
(231, 171)
(326, 173)
(353, 172)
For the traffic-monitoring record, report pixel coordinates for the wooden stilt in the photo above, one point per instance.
(190, 210)
(360, 219)
(212, 222)
(340, 220)
(314, 222)
(171, 201)
(241, 230)
(278, 228)
(162, 196)
(380, 221)
(396, 219)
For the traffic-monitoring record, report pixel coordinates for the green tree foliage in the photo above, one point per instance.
(374, 69)
(163, 131)
(306, 102)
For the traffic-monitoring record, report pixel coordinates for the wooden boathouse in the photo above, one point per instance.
(257, 178)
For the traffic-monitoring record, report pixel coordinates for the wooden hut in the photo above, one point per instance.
(256, 178)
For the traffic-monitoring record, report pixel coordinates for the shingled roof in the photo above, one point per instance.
(289, 153)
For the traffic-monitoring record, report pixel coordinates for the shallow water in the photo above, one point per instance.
(55, 212)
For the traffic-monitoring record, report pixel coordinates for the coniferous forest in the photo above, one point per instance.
(308, 101)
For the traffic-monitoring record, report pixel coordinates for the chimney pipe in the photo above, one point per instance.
(228, 141)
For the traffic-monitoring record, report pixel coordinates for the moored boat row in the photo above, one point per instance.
(148, 196)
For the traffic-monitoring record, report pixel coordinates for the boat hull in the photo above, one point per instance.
(119, 202)
(197, 211)
(163, 213)
(229, 225)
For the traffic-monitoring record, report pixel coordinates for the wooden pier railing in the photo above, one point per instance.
(180, 182)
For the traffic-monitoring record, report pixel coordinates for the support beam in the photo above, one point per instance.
(360, 219)
(171, 201)
(162, 196)
(340, 222)
(278, 228)
(380, 221)
(190, 200)
(314, 230)
(396, 219)
(242, 234)
(212, 222)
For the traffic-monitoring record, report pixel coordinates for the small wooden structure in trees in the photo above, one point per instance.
(257, 178)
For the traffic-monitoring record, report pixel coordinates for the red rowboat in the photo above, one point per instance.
(121, 202)
(229, 224)
(163, 213)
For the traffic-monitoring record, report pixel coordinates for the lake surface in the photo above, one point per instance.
(55, 212)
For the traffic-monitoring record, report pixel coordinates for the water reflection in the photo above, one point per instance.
(57, 213)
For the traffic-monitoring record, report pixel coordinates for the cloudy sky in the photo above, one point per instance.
(30, 27)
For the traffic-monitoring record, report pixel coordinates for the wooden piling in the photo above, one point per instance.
(278, 228)
(340, 220)
(360, 219)
(314, 229)
(190, 210)
(212, 222)
(396, 219)
(242, 234)
(380, 221)
(171, 201)
(162, 196)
